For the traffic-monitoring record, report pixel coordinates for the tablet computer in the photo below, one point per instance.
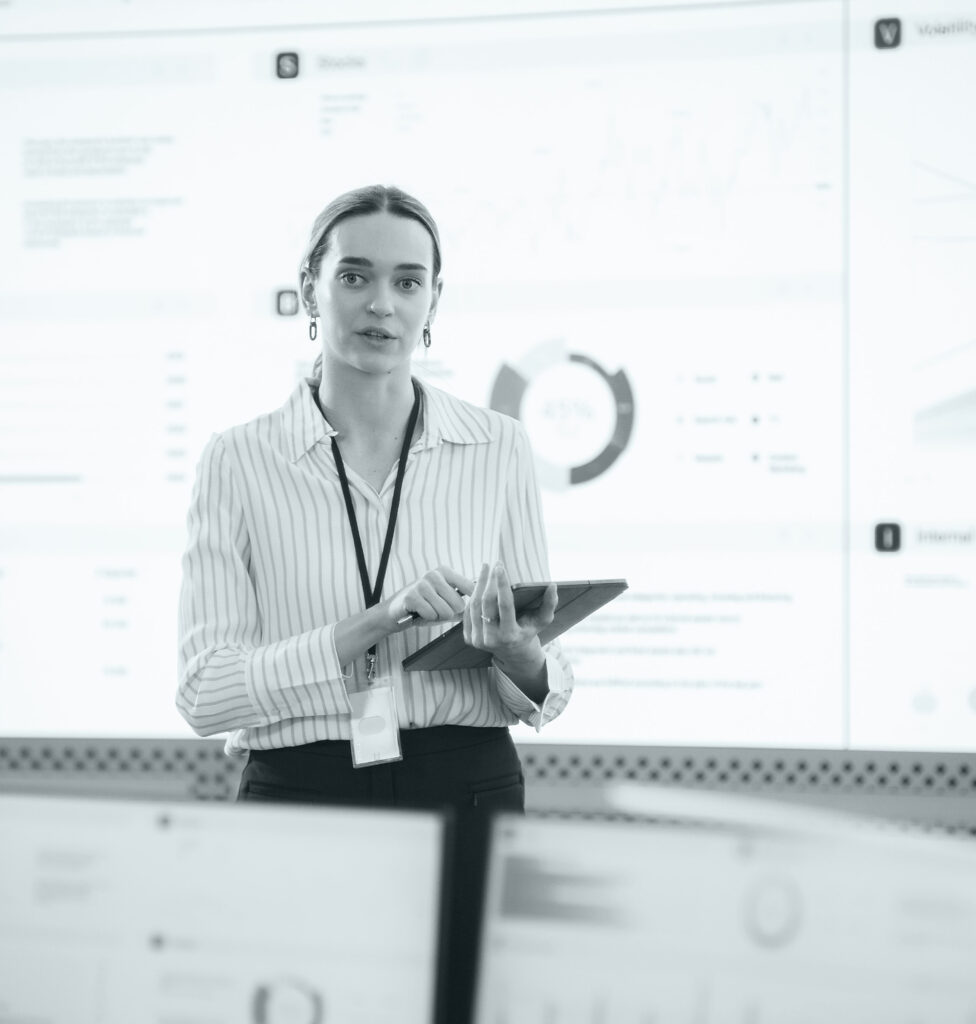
(576, 600)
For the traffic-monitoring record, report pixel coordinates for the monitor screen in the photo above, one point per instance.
(717, 258)
(119, 911)
(621, 922)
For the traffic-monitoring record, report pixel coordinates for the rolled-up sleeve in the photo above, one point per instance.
(524, 553)
(229, 677)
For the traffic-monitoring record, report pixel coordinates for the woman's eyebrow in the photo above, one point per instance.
(360, 261)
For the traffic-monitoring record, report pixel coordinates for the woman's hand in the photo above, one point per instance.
(490, 622)
(438, 596)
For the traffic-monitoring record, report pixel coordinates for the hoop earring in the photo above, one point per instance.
(313, 328)
(426, 335)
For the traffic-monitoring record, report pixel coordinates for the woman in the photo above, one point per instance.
(330, 539)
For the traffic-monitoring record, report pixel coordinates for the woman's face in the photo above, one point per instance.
(374, 292)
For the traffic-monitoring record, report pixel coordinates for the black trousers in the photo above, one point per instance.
(470, 771)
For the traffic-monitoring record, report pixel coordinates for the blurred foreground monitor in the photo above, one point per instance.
(123, 911)
(718, 909)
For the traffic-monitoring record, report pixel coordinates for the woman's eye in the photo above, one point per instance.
(350, 278)
(409, 284)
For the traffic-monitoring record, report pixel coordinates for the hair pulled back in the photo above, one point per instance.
(365, 200)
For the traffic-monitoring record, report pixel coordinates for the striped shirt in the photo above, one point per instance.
(270, 567)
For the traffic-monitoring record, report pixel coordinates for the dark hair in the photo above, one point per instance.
(369, 199)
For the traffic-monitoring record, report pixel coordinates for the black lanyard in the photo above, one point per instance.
(372, 593)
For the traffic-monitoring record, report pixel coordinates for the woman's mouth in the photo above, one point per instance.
(377, 333)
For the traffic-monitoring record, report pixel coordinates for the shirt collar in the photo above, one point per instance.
(445, 419)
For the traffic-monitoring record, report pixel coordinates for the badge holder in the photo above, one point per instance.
(374, 732)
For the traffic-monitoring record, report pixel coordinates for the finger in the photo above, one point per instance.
(474, 602)
(446, 592)
(474, 607)
(474, 625)
(480, 583)
(431, 605)
(505, 600)
(545, 612)
(489, 599)
(421, 608)
(461, 583)
(466, 627)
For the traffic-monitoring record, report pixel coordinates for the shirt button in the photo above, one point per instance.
(413, 725)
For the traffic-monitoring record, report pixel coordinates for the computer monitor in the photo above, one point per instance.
(121, 911)
(617, 922)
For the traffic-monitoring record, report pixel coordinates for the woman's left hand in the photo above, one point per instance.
(490, 622)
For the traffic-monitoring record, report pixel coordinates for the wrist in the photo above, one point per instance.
(527, 660)
(528, 671)
(359, 632)
(386, 619)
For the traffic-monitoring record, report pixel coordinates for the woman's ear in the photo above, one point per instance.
(438, 288)
(308, 294)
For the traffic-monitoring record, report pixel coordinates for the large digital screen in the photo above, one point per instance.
(720, 259)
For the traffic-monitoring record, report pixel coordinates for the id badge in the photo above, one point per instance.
(375, 733)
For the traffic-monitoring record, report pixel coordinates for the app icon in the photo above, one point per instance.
(887, 33)
(887, 536)
(287, 302)
(287, 65)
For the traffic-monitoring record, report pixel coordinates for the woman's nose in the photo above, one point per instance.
(381, 302)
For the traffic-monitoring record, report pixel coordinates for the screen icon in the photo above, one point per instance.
(887, 33)
(887, 537)
(286, 302)
(287, 65)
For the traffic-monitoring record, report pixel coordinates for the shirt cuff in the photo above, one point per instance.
(298, 677)
(560, 681)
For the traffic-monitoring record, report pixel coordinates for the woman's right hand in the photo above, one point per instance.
(438, 596)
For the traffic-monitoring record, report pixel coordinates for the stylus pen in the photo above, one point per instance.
(414, 615)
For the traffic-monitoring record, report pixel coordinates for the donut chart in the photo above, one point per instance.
(509, 390)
